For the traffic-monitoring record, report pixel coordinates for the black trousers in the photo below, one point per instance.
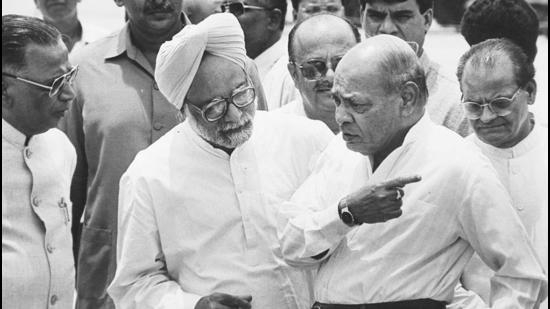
(407, 304)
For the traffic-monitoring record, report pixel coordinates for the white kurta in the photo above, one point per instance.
(194, 220)
(37, 247)
(523, 169)
(278, 85)
(446, 217)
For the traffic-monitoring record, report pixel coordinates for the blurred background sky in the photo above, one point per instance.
(444, 43)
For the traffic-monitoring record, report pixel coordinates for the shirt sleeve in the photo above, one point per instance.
(464, 299)
(309, 227)
(491, 226)
(142, 280)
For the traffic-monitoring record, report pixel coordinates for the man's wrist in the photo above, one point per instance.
(345, 214)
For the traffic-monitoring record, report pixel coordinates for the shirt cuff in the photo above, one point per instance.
(332, 227)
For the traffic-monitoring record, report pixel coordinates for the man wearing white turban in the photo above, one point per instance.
(196, 224)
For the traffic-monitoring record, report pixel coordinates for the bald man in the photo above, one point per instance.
(196, 217)
(315, 47)
(371, 173)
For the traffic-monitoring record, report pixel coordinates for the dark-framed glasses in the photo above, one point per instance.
(500, 106)
(217, 108)
(238, 8)
(316, 69)
(56, 85)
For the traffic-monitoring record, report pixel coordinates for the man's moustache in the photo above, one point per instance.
(153, 7)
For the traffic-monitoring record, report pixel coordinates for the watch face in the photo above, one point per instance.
(347, 217)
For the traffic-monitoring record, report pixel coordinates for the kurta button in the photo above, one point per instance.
(28, 153)
(36, 201)
(155, 86)
(158, 126)
(49, 248)
(53, 299)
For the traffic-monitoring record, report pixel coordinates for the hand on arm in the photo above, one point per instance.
(224, 301)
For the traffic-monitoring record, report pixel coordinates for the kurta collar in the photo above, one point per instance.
(267, 59)
(530, 142)
(12, 135)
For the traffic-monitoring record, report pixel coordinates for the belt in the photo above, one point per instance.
(407, 304)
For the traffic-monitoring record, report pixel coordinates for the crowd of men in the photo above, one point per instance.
(198, 158)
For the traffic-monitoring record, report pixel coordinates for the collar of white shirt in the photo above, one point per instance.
(12, 135)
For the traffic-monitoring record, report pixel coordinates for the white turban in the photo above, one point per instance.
(178, 60)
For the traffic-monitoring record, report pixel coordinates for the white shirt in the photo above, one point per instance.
(446, 216)
(523, 169)
(90, 33)
(194, 220)
(444, 95)
(296, 107)
(37, 247)
(276, 80)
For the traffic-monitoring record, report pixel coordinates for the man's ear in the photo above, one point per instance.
(531, 88)
(294, 15)
(410, 95)
(7, 101)
(293, 70)
(428, 19)
(275, 19)
(119, 3)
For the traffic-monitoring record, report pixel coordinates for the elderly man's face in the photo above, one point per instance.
(308, 8)
(369, 117)
(218, 78)
(57, 10)
(483, 84)
(153, 16)
(318, 48)
(401, 19)
(32, 109)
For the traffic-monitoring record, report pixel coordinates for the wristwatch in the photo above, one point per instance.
(345, 215)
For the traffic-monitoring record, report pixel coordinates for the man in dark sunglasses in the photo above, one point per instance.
(38, 162)
(498, 87)
(263, 23)
(316, 45)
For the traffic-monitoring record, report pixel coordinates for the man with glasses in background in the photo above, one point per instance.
(38, 162)
(497, 82)
(316, 45)
(197, 209)
(263, 22)
(410, 20)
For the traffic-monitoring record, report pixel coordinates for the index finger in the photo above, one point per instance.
(400, 182)
(236, 301)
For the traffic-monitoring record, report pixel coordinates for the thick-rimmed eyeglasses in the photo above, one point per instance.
(238, 8)
(316, 69)
(217, 108)
(56, 85)
(500, 106)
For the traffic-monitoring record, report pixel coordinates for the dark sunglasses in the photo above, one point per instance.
(57, 84)
(238, 8)
(316, 69)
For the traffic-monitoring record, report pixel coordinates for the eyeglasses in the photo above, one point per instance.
(57, 84)
(316, 69)
(238, 8)
(217, 108)
(499, 106)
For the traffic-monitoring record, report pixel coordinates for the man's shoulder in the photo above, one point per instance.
(96, 51)
(57, 141)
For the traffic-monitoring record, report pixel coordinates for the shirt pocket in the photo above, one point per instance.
(94, 262)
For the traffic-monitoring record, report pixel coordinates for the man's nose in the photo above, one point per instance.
(233, 114)
(329, 76)
(67, 93)
(341, 115)
(387, 26)
(487, 114)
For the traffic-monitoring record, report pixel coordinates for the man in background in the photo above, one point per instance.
(38, 162)
(306, 8)
(316, 45)
(63, 15)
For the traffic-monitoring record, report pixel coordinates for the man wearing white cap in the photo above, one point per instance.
(196, 209)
